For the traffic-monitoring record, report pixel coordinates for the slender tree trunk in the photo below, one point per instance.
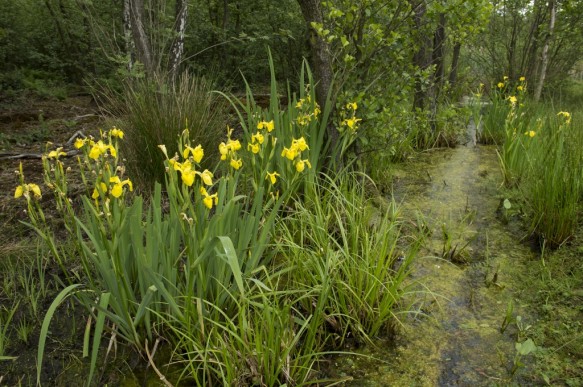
(437, 60)
(321, 61)
(420, 58)
(127, 35)
(437, 55)
(511, 50)
(545, 52)
(57, 23)
(457, 48)
(141, 39)
(530, 67)
(178, 44)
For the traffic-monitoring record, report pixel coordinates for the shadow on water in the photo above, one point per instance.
(467, 276)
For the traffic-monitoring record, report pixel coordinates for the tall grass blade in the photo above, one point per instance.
(45, 326)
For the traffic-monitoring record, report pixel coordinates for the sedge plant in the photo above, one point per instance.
(355, 262)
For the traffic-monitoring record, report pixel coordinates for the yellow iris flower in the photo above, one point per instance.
(351, 122)
(79, 143)
(115, 132)
(300, 144)
(117, 188)
(288, 153)
(301, 165)
(530, 133)
(209, 200)
(99, 148)
(26, 189)
(272, 177)
(266, 125)
(257, 137)
(55, 154)
(206, 176)
(197, 153)
(254, 148)
(236, 164)
(103, 188)
(567, 116)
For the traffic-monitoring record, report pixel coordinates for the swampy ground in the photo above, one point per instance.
(479, 287)
(486, 307)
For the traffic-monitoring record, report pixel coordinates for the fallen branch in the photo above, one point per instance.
(16, 156)
(69, 153)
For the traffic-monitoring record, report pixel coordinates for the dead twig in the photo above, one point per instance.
(151, 362)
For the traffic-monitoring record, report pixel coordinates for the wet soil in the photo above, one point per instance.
(467, 276)
(27, 125)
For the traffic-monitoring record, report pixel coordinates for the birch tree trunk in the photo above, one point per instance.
(141, 39)
(545, 52)
(127, 35)
(178, 44)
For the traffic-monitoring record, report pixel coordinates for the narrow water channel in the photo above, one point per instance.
(466, 279)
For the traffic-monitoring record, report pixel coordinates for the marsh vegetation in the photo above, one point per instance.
(314, 193)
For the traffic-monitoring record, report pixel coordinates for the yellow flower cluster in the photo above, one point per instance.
(192, 156)
(306, 116)
(257, 140)
(116, 188)
(187, 168)
(269, 126)
(351, 122)
(512, 99)
(567, 116)
(26, 189)
(188, 172)
(294, 153)
(100, 148)
(106, 184)
(229, 149)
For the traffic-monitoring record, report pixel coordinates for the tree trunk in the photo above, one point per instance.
(545, 52)
(321, 61)
(437, 60)
(511, 49)
(141, 40)
(127, 35)
(455, 63)
(420, 58)
(437, 55)
(529, 56)
(178, 44)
